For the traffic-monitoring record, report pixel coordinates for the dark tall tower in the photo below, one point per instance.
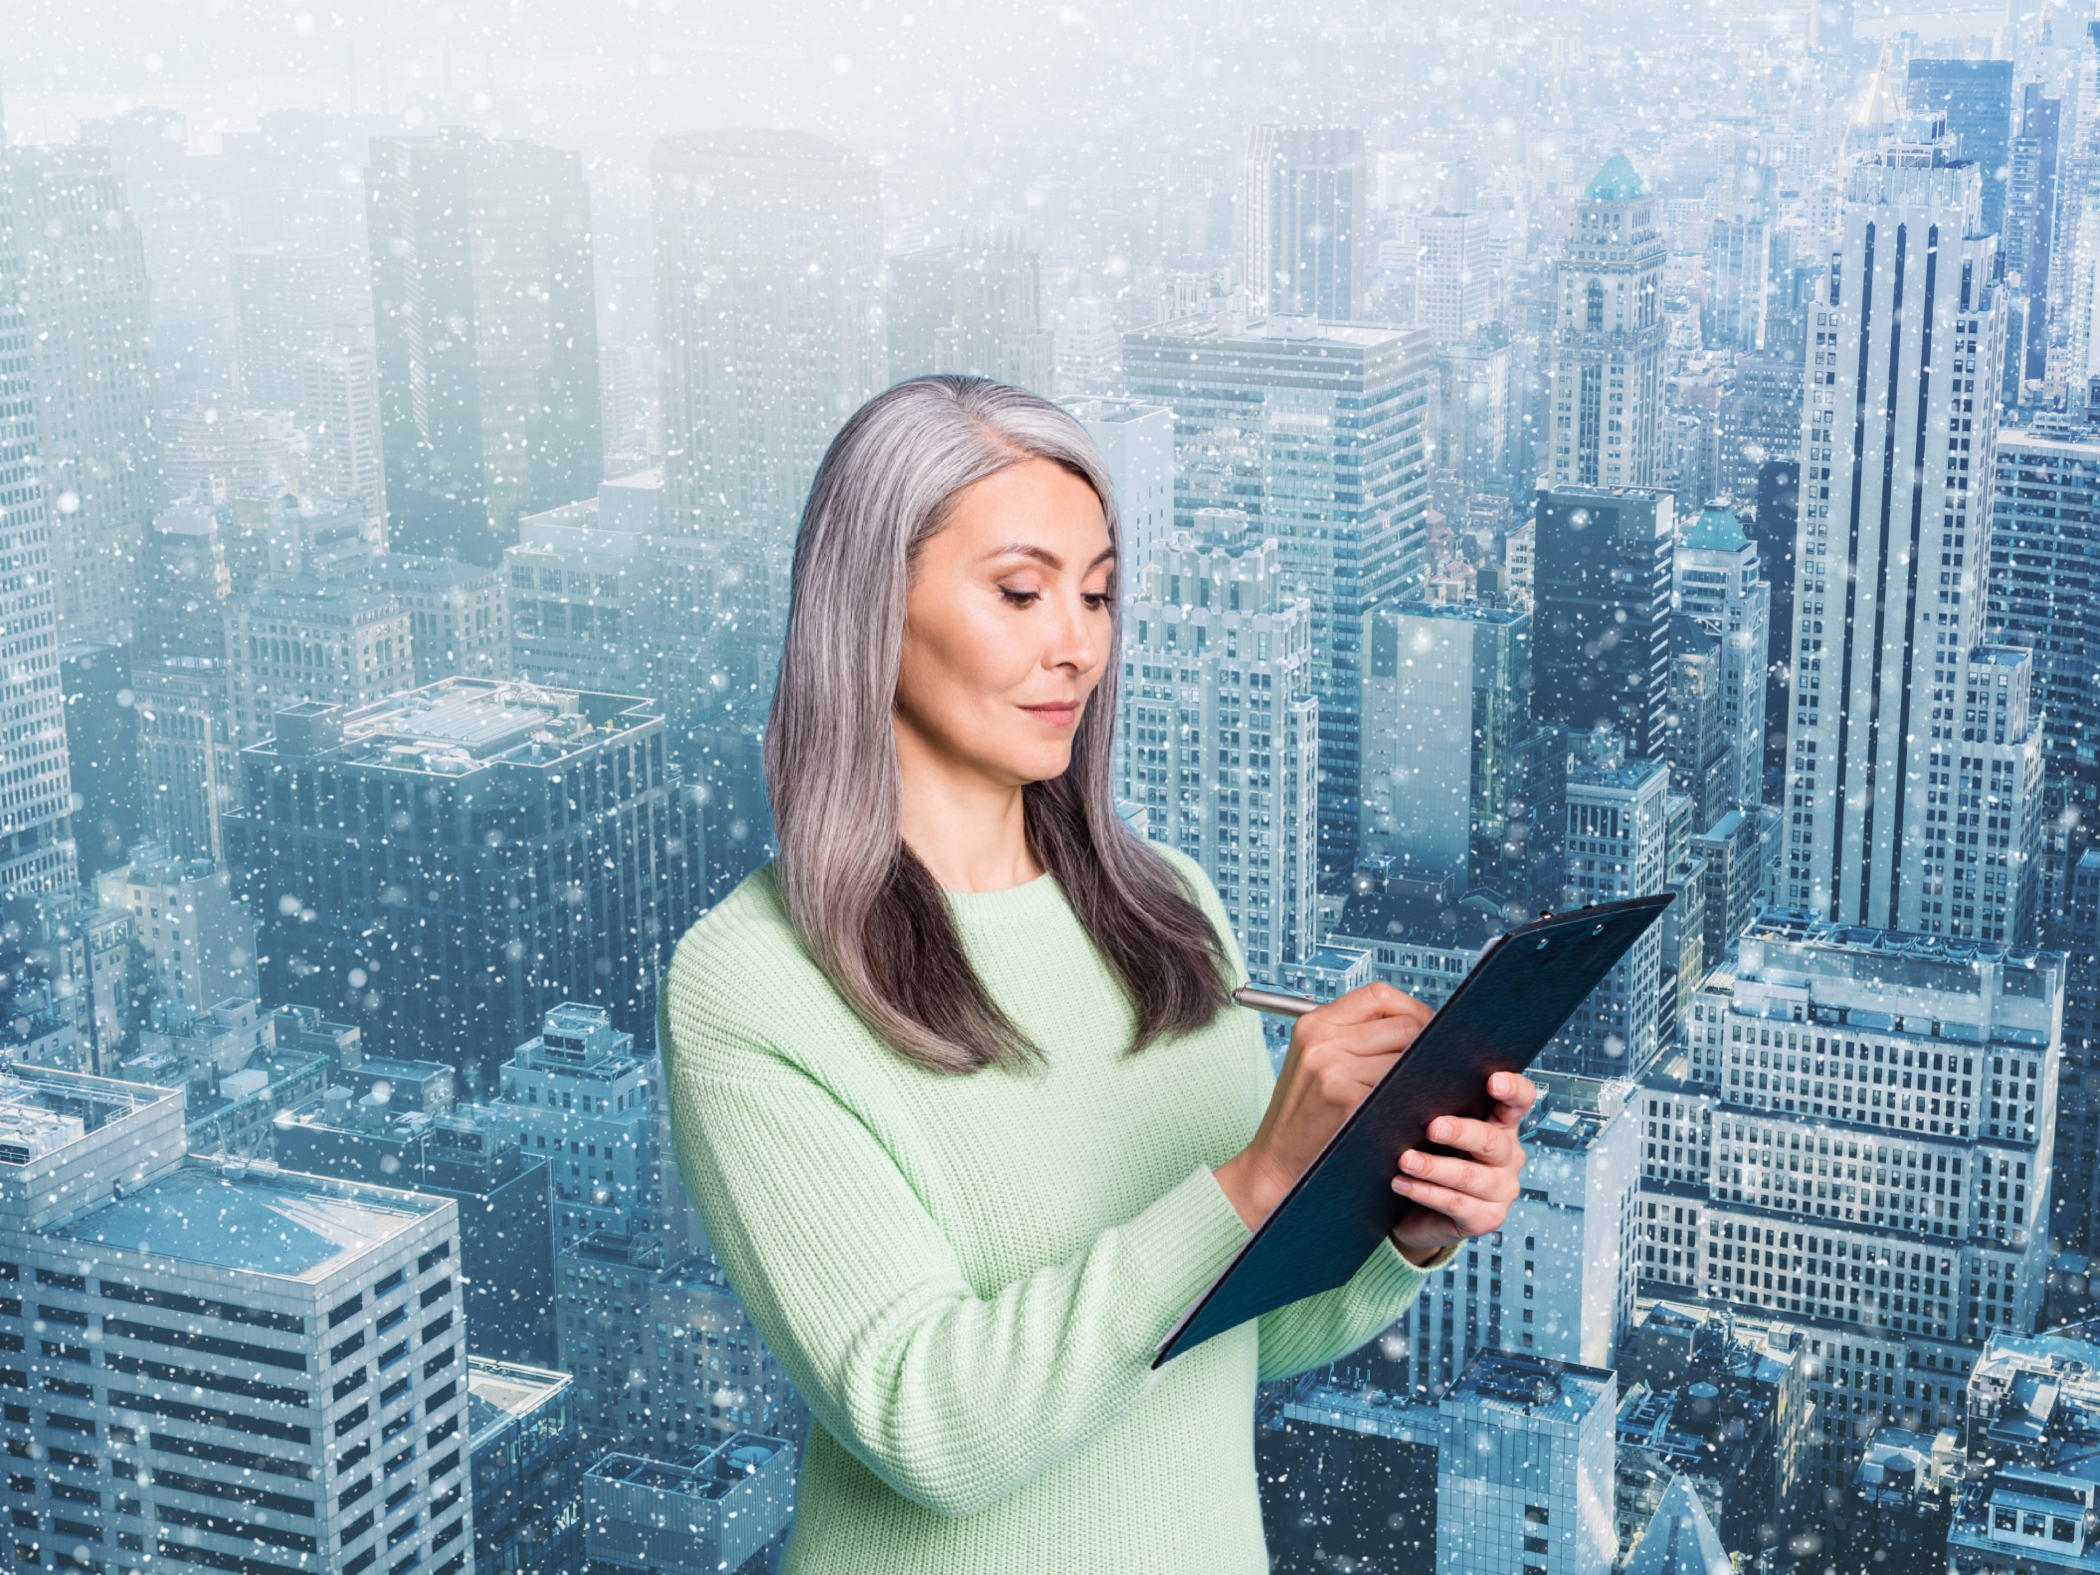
(1601, 612)
(485, 319)
(447, 866)
(1977, 97)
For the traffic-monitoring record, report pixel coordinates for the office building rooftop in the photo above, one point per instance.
(251, 1217)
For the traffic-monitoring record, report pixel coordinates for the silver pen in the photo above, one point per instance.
(1273, 1001)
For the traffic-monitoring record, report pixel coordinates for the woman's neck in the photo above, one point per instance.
(971, 834)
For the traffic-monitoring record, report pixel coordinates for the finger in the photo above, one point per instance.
(1485, 1141)
(1474, 1216)
(1382, 1036)
(1491, 1183)
(1372, 1001)
(1514, 1095)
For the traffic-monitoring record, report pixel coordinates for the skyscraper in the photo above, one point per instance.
(997, 329)
(1907, 733)
(485, 317)
(1609, 337)
(1447, 744)
(1318, 433)
(282, 1329)
(1452, 275)
(1137, 440)
(1220, 735)
(338, 404)
(1601, 575)
(513, 848)
(286, 301)
(2031, 218)
(1615, 844)
(1524, 1467)
(768, 320)
(1738, 257)
(1883, 1104)
(1302, 209)
(2044, 595)
(36, 834)
(90, 343)
(1976, 98)
(1717, 585)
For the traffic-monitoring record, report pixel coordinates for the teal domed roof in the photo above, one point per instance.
(1716, 530)
(1618, 181)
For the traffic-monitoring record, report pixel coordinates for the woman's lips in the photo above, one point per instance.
(1059, 715)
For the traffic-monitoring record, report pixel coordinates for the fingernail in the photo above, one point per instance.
(1440, 1129)
(1411, 1161)
(1498, 1085)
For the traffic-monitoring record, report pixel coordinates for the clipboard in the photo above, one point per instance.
(1526, 985)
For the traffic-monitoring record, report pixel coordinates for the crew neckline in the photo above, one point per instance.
(1040, 884)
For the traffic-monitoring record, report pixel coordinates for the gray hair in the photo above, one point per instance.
(867, 909)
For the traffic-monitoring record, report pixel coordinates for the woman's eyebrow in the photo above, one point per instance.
(1044, 555)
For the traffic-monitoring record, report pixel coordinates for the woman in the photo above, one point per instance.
(955, 1081)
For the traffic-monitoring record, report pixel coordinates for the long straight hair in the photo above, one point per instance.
(868, 910)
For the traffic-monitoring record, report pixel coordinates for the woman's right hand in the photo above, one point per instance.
(1338, 1053)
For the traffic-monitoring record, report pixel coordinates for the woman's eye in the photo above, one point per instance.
(1018, 598)
(1095, 600)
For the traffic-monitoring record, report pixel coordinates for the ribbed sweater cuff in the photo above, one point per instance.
(1180, 1243)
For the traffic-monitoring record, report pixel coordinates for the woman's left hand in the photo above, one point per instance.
(1456, 1199)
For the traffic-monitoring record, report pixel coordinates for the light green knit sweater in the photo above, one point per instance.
(966, 1276)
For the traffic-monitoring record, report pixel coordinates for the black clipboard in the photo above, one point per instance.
(1525, 986)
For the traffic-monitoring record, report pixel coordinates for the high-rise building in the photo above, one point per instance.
(1137, 440)
(768, 324)
(1453, 276)
(1524, 1467)
(1881, 1104)
(458, 616)
(506, 1250)
(523, 1458)
(1558, 1280)
(1976, 98)
(664, 1357)
(2032, 219)
(513, 848)
(485, 316)
(1601, 574)
(1738, 254)
(578, 1094)
(1716, 584)
(1447, 736)
(1919, 723)
(83, 286)
(186, 752)
(1609, 338)
(286, 301)
(1615, 844)
(304, 640)
(339, 411)
(1319, 434)
(1220, 728)
(198, 937)
(2044, 594)
(36, 836)
(1760, 421)
(1302, 216)
(996, 329)
(229, 1351)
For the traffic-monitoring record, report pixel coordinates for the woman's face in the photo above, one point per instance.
(1006, 625)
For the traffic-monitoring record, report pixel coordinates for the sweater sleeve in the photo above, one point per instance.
(1318, 1329)
(952, 1398)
